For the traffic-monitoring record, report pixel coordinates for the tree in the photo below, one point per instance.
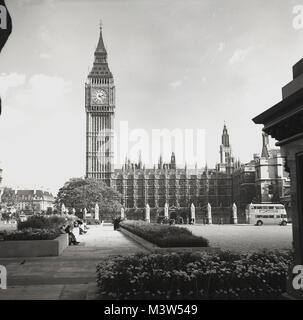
(49, 211)
(5, 216)
(81, 193)
(8, 197)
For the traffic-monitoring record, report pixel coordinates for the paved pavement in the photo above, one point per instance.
(245, 238)
(69, 276)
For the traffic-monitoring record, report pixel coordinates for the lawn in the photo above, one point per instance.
(164, 236)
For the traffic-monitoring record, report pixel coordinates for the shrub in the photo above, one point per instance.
(70, 219)
(163, 220)
(42, 222)
(180, 220)
(164, 235)
(31, 234)
(194, 276)
(134, 214)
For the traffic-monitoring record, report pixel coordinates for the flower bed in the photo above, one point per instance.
(29, 247)
(23, 242)
(194, 276)
(31, 234)
(163, 235)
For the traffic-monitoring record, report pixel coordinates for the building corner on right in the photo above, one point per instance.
(284, 122)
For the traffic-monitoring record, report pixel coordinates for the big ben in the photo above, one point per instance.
(100, 112)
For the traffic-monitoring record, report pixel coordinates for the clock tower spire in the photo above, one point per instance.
(100, 112)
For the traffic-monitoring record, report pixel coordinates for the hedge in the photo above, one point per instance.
(42, 222)
(194, 276)
(163, 235)
(31, 234)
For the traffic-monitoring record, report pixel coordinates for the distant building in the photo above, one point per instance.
(178, 187)
(34, 201)
(244, 185)
(1, 187)
(262, 180)
(272, 181)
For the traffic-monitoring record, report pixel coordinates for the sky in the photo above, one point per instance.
(176, 65)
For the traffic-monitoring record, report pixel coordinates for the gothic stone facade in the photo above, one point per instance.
(177, 187)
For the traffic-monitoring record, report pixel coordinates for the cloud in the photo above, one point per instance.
(44, 34)
(39, 115)
(44, 56)
(221, 46)
(239, 55)
(22, 3)
(11, 80)
(204, 80)
(42, 92)
(176, 84)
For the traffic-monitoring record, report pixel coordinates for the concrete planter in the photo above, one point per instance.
(154, 248)
(33, 248)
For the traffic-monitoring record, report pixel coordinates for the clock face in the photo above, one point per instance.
(99, 96)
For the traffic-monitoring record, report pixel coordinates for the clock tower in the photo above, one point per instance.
(100, 112)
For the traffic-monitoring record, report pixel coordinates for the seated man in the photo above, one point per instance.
(71, 236)
(81, 227)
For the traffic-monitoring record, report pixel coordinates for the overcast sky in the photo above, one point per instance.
(176, 64)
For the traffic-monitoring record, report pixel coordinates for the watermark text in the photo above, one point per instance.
(298, 19)
(123, 142)
(3, 277)
(3, 17)
(297, 281)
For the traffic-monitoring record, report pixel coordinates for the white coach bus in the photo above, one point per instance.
(263, 213)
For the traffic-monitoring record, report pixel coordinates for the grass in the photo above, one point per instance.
(163, 235)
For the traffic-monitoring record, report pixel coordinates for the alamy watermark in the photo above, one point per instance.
(298, 19)
(123, 142)
(3, 17)
(3, 277)
(297, 281)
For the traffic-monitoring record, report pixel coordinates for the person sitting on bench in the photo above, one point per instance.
(71, 236)
(81, 227)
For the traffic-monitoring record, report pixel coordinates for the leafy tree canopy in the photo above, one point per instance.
(81, 193)
(8, 197)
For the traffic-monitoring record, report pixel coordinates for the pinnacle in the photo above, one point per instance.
(100, 47)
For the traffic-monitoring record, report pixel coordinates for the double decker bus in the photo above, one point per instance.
(266, 213)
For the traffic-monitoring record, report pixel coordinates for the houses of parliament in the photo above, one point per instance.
(263, 179)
